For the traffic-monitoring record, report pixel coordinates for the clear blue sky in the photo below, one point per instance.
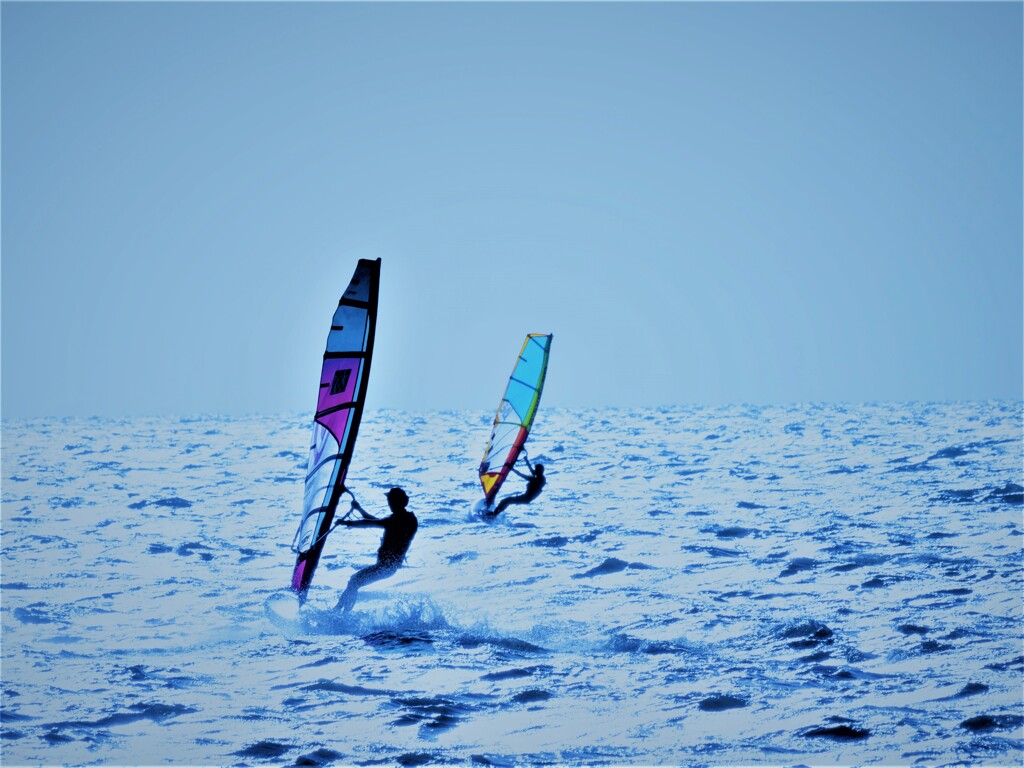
(705, 203)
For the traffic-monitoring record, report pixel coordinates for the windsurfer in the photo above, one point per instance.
(534, 483)
(399, 529)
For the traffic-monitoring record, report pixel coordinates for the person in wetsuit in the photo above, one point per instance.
(534, 483)
(399, 529)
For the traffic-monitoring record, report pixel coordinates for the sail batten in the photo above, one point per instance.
(339, 410)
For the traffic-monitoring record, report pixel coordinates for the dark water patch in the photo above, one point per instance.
(141, 673)
(900, 539)
(876, 582)
(64, 503)
(242, 502)
(638, 566)
(159, 549)
(723, 596)
(861, 561)
(137, 673)
(843, 469)
(15, 585)
(550, 541)
(154, 712)
(1016, 664)
(720, 551)
(813, 658)
(987, 723)
(733, 532)
(743, 475)
(11, 735)
(1011, 493)
(586, 538)
(940, 535)
(433, 715)
(195, 547)
(623, 643)
(798, 565)
(394, 639)
(837, 733)
(773, 557)
(610, 565)
(953, 452)
(942, 597)
(265, 750)
(913, 629)
(6, 716)
(174, 502)
(113, 466)
(531, 696)
(845, 673)
(248, 554)
(750, 505)
(515, 673)
(459, 557)
(721, 703)
(957, 496)
(921, 466)
(806, 635)
(412, 759)
(56, 737)
(319, 663)
(322, 756)
(971, 689)
(352, 690)
(34, 614)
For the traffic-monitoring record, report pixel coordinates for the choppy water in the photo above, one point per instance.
(790, 585)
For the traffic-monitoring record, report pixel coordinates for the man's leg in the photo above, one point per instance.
(368, 575)
(504, 503)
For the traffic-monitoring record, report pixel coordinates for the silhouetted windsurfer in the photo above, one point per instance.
(534, 484)
(399, 528)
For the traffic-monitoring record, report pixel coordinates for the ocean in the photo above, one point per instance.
(814, 584)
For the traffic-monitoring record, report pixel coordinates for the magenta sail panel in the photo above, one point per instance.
(337, 395)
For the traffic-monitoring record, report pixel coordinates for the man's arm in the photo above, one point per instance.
(525, 477)
(368, 519)
(367, 522)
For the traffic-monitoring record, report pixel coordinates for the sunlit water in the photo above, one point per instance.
(788, 585)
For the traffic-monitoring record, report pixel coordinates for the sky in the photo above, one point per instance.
(705, 203)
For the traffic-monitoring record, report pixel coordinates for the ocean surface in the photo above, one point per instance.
(805, 585)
